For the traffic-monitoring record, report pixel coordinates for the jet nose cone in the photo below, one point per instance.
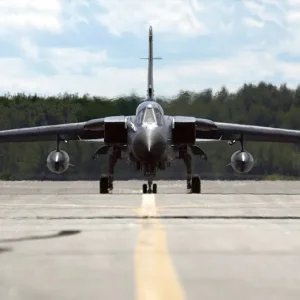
(149, 145)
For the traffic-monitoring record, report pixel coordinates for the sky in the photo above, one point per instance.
(94, 46)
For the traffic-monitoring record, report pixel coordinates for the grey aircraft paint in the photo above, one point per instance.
(150, 140)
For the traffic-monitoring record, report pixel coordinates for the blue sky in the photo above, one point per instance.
(94, 46)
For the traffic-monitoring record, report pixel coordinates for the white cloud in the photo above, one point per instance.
(254, 6)
(250, 22)
(14, 74)
(50, 5)
(24, 20)
(44, 15)
(263, 11)
(193, 75)
(134, 16)
(29, 48)
(293, 16)
(293, 2)
(68, 60)
(187, 17)
(273, 25)
(63, 60)
(24, 14)
(72, 15)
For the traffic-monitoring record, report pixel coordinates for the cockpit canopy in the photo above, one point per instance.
(149, 113)
(149, 116)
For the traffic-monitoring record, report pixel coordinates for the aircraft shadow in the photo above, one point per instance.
(171, 217)
(62, 233)
(3, 250)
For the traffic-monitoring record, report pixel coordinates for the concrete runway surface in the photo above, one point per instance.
(237, 240)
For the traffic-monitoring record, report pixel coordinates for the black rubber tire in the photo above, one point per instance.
(104, 184)
(196, 184)
(145, 188)
(154, 189)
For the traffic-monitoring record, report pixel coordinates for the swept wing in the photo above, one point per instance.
(92, 129)
(233, 131)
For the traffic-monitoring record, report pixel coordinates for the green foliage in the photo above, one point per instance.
(277, 177)
(5, 176)
(262, 104)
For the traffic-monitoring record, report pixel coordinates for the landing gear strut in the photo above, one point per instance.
(193, 182)
(149, 171)
(106, 181)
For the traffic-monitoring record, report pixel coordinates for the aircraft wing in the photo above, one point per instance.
(92, 129)
(231, 131)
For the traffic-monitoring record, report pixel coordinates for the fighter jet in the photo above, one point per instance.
(150, 140)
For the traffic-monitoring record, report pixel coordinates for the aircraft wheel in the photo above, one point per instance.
(144, 188)
(154, 190)
(196, 184)
(104, 184)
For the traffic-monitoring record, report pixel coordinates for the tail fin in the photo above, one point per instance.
(150, 87)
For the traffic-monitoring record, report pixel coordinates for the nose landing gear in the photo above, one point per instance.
(150, 188)
(149, 172)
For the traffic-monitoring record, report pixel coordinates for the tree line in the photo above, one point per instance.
(262, 104)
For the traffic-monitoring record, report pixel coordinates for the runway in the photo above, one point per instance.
(63, 240)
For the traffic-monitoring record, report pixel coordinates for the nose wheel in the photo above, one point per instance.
(149, 188)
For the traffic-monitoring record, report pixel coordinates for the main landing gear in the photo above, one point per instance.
(194, 184)
(106, 181)
(193, 181)
(106, 184)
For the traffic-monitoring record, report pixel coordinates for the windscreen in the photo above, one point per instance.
(159, 117)
(149, 116)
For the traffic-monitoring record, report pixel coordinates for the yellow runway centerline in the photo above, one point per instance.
(156, 278)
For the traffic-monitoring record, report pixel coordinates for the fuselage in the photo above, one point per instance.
(150, 134)
(150, 131)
